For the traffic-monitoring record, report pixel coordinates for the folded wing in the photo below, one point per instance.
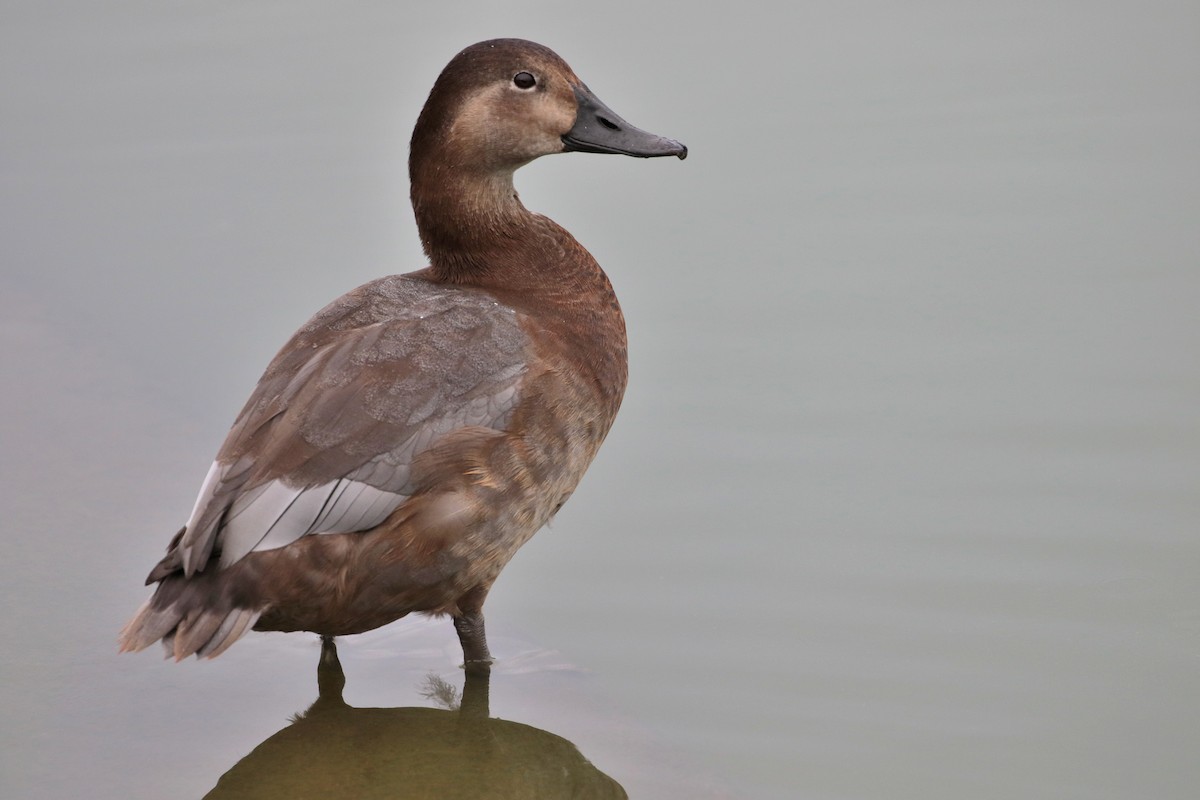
(327, 440)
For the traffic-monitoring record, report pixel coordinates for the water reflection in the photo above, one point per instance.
(335, 750)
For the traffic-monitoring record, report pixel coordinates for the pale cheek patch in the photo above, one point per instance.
(511, 129)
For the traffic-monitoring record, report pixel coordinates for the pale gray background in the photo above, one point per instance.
(904, 498)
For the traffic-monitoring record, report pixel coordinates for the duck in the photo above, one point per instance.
(418, 430)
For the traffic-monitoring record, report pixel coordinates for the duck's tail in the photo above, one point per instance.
(189, 616)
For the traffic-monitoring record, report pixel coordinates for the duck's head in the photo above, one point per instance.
(501, 103)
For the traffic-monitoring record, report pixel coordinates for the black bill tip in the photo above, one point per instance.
(598, 129)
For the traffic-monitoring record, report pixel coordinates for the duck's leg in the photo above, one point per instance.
(474, 703)
(330, 678)
(469, 624)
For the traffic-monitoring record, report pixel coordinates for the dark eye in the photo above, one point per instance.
(524, 80)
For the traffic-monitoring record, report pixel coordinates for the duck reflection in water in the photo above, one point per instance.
(333, 750)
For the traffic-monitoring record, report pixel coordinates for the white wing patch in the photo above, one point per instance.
(275, 514)
(355, 506)
(207, 489)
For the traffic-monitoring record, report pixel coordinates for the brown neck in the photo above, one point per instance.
(468, 223)
(476, 232)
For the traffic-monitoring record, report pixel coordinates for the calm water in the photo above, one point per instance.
(904, 501)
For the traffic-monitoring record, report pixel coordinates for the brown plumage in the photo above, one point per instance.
(418, 430)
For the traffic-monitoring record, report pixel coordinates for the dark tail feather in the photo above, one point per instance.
(190, 616)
